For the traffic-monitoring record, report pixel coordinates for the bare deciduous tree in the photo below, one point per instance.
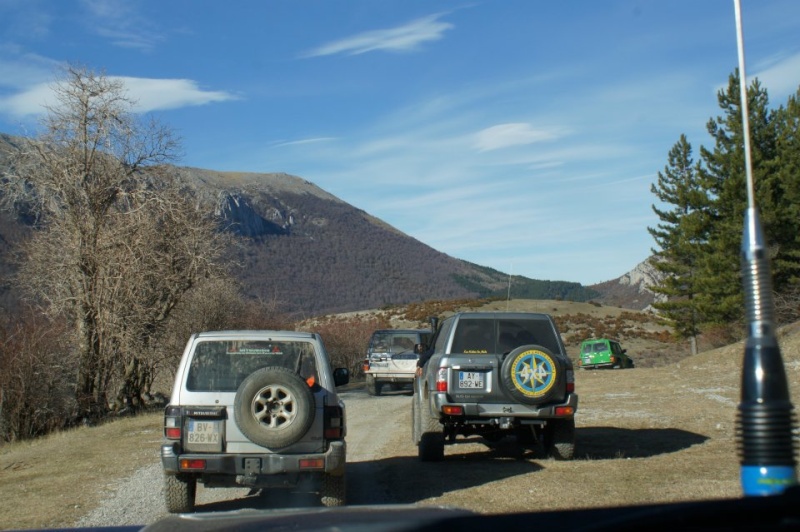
(120, 240)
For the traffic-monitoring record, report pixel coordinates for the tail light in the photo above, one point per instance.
(172, 422)
(564, 411)
(441, 380)
(334, 423)
(195, 464)
(365, 365)
(570, 381)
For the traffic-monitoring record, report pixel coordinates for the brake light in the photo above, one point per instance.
(334, 423)
(564, 411)
(192, 464)
(570, 381)
(172, 422)
(441, 380)
(453, 410)
(311, 463)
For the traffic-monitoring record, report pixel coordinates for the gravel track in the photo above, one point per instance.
(374, 428)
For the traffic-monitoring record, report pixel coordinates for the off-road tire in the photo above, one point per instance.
(431, 435)
(373, 385)
(334, 490)
(559, 438)
(274, 407)
(179, 493)
(532, 375)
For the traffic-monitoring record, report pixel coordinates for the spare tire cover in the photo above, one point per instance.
(273, 407)
(531, 374)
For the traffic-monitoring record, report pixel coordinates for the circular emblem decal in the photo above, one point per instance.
(533, 373)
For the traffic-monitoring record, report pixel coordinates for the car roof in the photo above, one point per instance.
(256, 334)
(401, 331)
(502, 314)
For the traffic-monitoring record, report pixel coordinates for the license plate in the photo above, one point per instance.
(471, 380)
(203, 432)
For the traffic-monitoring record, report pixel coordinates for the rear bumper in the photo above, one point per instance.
(599, 365)
(507, 410)
(393, 377)
(252, 465)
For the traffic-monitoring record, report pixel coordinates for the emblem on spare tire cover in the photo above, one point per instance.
(533, 373)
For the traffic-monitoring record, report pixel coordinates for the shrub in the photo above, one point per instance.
(37, 379)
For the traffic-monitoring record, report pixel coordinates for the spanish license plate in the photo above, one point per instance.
(471, 380)
(203, 432)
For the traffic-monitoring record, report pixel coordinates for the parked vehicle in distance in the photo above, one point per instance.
(391, 358)
(496, 374)
(603, 353)
(254, 409)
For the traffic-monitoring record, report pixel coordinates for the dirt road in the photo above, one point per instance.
(378, 432)
(643, 436)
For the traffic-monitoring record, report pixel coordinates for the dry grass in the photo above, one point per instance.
(51, 482)
(644, 435)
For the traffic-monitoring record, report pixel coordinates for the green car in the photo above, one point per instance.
(603, 353)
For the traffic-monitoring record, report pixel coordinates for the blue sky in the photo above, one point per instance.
(522, 135)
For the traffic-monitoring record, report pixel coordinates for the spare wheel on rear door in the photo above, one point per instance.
(274, 407)
(531, 374)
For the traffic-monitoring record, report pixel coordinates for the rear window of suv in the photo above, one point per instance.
(488, 336)
(221, 366)
(393, 342)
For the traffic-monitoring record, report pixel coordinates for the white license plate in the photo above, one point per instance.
(470, 380)
(203, 432)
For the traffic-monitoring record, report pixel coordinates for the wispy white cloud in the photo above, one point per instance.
(404, 38)
(162, 94)
(302, 142)
(119, 22)
(781, 75)
(516, 134)
(148, 95)
(20, 69)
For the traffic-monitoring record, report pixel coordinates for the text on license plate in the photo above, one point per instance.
(470, 379)
(203, 431)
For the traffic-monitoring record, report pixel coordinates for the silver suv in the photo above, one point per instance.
(495, 374)
(254, 409)
(392, 358)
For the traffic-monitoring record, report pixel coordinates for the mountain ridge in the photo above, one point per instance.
(312, 253)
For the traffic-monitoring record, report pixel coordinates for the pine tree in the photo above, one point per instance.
(723, 175)
(681, 235)
(786, 192)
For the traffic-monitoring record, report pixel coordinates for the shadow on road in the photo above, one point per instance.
(609, 443)
(406, 480)
(266, 499)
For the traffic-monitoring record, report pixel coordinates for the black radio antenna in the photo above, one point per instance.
(765, 421)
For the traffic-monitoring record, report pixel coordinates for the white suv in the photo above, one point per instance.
(392, 357)
(254, 409)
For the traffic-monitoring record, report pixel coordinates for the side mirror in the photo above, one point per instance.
(341, 376)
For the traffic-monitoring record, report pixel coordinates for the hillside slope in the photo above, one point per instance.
(312, 253)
